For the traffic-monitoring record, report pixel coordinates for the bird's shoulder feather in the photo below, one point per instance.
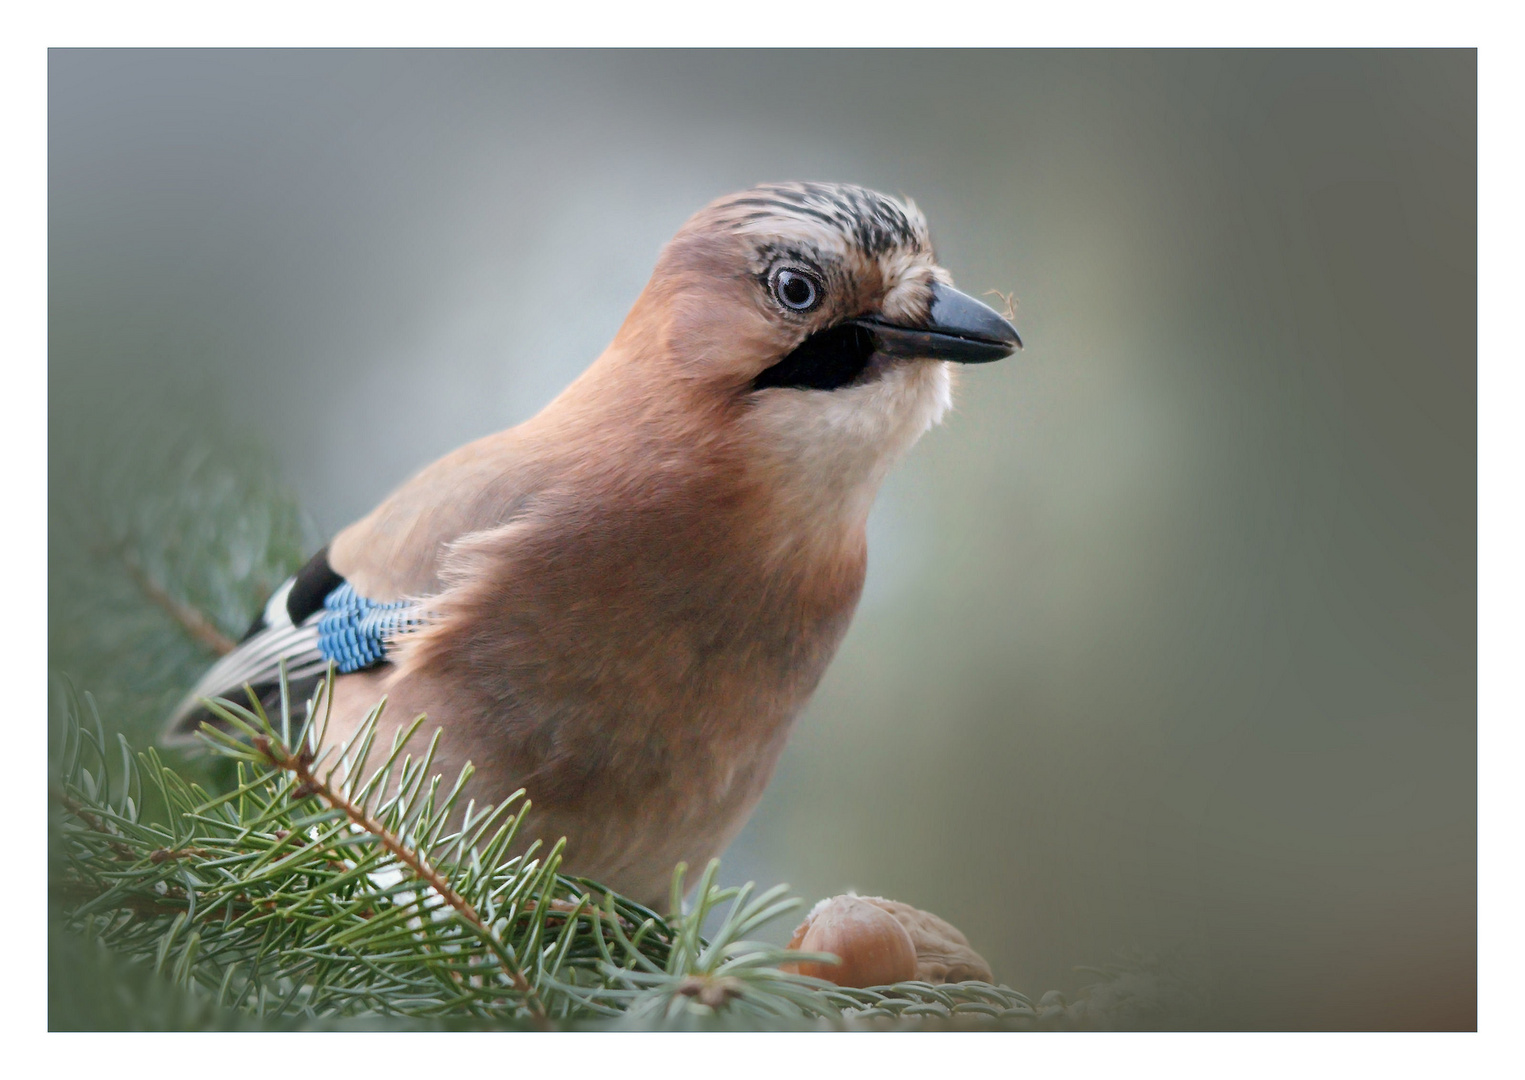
(398, 549)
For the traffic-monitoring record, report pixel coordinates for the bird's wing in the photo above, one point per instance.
(372, 583)
(316, 618)
(396, 551)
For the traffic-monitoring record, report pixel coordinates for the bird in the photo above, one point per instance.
(622, 604)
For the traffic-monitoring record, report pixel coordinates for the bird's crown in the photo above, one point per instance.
(871, 223)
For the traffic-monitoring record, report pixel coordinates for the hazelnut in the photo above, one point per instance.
(943, 954)
(874, 947)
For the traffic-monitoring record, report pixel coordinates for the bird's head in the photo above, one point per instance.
(814, 322)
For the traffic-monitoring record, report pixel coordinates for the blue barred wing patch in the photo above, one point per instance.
(312, 620)
(353, 632)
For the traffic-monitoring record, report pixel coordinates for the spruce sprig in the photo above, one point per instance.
(322, 889)
(321, 886)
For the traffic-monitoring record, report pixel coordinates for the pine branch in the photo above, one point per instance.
(193, 622)
(361, 902)
(267, 877)
(300, 765)
(166, 532)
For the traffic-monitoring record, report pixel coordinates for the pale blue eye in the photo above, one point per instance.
(797, 291)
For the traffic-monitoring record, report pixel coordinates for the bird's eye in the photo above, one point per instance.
(796, 290)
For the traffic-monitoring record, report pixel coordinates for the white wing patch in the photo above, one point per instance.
(257, 661)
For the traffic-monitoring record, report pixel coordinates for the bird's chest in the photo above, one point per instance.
(678, 675)
(690, 684)
(638, 675)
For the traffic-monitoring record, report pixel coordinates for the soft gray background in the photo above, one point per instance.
(1168, 642)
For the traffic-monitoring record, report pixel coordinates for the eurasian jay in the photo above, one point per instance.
(622, 604)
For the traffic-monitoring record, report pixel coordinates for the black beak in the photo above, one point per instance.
(960, 328)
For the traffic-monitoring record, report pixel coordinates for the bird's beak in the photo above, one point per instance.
(959, 328)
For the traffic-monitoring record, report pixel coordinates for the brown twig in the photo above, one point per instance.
(75, 890)
(191, 621)
(173, 901)
(77, 808)
(160, 855)
(300, 765)
(298, 842)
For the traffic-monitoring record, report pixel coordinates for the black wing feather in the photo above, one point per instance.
(286, 630)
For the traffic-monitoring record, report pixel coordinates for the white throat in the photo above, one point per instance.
(830, 450)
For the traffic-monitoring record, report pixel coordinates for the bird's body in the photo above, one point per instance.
(622, 604)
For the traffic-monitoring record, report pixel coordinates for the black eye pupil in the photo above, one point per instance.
(795, 290)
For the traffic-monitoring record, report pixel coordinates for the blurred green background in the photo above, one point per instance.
(1168, 644)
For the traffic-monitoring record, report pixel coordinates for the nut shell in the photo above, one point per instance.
(874, 946)
(943, 954)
